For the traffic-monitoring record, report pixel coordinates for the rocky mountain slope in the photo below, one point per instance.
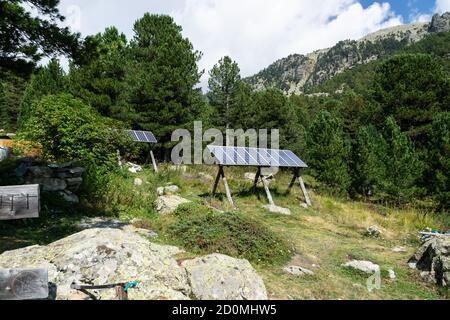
(297, 73)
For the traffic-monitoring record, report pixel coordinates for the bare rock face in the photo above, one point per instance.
(219, 277)
(440, 23)
(104, 256)
(433, 259)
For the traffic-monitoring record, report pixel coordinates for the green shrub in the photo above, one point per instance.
(200, 230)
(69, 130)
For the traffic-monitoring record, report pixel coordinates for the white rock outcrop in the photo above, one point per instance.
(107, 256)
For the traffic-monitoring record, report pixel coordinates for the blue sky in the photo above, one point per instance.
(408, 9)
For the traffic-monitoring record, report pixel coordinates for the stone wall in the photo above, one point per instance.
(62, 179)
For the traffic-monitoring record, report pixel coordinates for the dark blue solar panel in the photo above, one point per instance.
(142, 136)
(235, 156)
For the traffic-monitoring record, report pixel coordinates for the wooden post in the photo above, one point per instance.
(221, 174)
(216, 183)
(155, 166)
(266, 187)
(255, 183)
(305, 192)
(291, 185)
(227, 189)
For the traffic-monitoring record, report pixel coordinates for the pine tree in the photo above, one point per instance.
(161, 78)
(412, 88)
(49, 80)
(440, 160)
(328, 153)
(369, 156)
(99, 79)
(11, 92)
(223, 88)
(27, 37)
(403, 167)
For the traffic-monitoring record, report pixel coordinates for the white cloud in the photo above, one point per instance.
(442, 6)
(253, 32)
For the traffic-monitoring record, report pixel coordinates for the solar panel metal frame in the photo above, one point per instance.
(142, 136)
(255, 157)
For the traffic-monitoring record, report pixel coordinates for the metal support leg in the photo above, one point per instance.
(227, 189)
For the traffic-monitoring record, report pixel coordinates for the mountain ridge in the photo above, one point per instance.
(297, 73)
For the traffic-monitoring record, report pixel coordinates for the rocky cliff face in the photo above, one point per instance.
(297, 72)
(440, 23)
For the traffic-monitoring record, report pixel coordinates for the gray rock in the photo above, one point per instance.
(392, 274)
(219, 277)
(298, 271)
(40, 172)
(363, 266)
(374, 232)
(440, 23)
(103, 256)
(278, 210)
(74, 184)
(77, 172)
(69, 196)
(169, 190)
(433, 259)
(106, 256)
(138, 182)
(168, 204)
(160, 191)
(49, 184)
(399, 250)
(134, 168)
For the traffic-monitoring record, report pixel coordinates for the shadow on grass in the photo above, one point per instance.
(58, 219)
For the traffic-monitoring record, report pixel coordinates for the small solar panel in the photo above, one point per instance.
(254, 157)
(142, 136)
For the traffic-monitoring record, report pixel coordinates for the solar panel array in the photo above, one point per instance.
(142, 136)
(254, 157)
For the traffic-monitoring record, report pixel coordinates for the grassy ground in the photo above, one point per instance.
(321, 238)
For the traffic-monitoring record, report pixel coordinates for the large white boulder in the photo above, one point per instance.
(219, 277)
(103, 256)
(106, 256)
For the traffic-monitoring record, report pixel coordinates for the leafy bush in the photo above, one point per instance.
(69, 130)
(202, 231)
